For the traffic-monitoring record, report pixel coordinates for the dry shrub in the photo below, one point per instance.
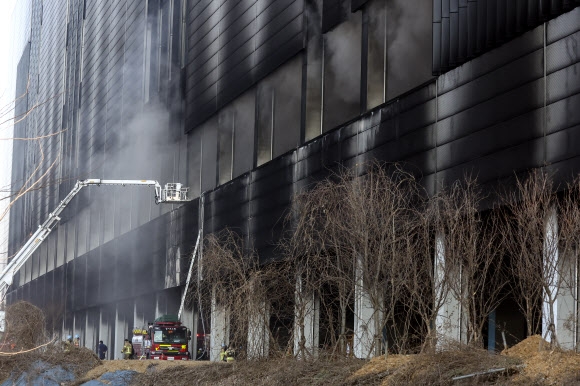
(286, 372)
(25, 326)
(77, 360)
(25, 329)
(455, 360)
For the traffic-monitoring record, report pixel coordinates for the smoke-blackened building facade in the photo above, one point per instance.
(247, 102)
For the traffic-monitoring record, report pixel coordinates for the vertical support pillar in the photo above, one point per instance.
(120, 331)
(258, 329)
(189, 320)
(219, 328)
(197, 350)
(491, 332)
(560, 272)
(366, 331)
(138, 317)
(567, 306)
(90, 338)
(449, 322)
(306, 322)
(551, 274)
(104, 334)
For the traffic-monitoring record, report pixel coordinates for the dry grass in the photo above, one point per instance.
(25, 326)
(542, 367)
(455, 360)
(25, 331)
(275, 372)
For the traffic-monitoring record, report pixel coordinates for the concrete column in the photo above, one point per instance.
(105, 333)
(306, 321)
(449, 323)
(366, 334)
(189, 320)
(120, 332)
(138, 316)
(219, 328)
(90, 338)
(561, 274)
(258, 329)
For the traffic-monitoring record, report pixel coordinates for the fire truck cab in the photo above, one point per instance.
(169, 339)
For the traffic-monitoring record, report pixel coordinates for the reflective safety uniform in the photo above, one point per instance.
(223, 355)
(230, 356)
(127, 350)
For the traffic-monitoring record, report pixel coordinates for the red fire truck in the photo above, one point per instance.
(169, 339)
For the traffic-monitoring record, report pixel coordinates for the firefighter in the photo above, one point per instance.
(223, 353)
(127, 350)
(68, 343)
(77, 341)
(230, 355)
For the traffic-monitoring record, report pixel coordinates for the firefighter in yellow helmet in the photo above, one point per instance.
(223, 353)
(230, 355)
(127, 349)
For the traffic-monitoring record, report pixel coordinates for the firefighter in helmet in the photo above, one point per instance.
(230, 354)
(223, 353)
(77, 341)
(127, 349)
(68, 343)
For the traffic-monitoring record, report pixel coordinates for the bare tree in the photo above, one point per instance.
(537, 258)
(564, 271)
(323, 263)
(230, 276)
(474, 253)
(353, 234)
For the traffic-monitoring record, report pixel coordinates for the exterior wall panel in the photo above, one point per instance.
(486, 23)
(232, 45)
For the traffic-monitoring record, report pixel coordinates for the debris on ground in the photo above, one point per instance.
(530, 362)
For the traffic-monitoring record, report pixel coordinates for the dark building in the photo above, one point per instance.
(247, 102)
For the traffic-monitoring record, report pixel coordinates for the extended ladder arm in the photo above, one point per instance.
(172, 193)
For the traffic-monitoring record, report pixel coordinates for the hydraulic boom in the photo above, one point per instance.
(172, 193)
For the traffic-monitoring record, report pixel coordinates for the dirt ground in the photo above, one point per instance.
(139, 366)
(531, 362)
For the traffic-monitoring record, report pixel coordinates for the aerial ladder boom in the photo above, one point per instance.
(172, 193)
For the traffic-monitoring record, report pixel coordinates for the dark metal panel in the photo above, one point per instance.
(93, 278)
(563, 114)
(463, 34)
(420, 116)
(501, 21)
(471, 28)
(436, 57)
(511, 76)
(355, 5)
(244, 109)
(491, 23)
(333, 13)
(561, 54)
(505, 106)
(533, 13)
(562, 145)
(565, 25)
(454, 32)
(521, 15)
(482, 23)
(445, 34)
(209, 155)
(491, 167)
(563, 83)
(487, 140)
